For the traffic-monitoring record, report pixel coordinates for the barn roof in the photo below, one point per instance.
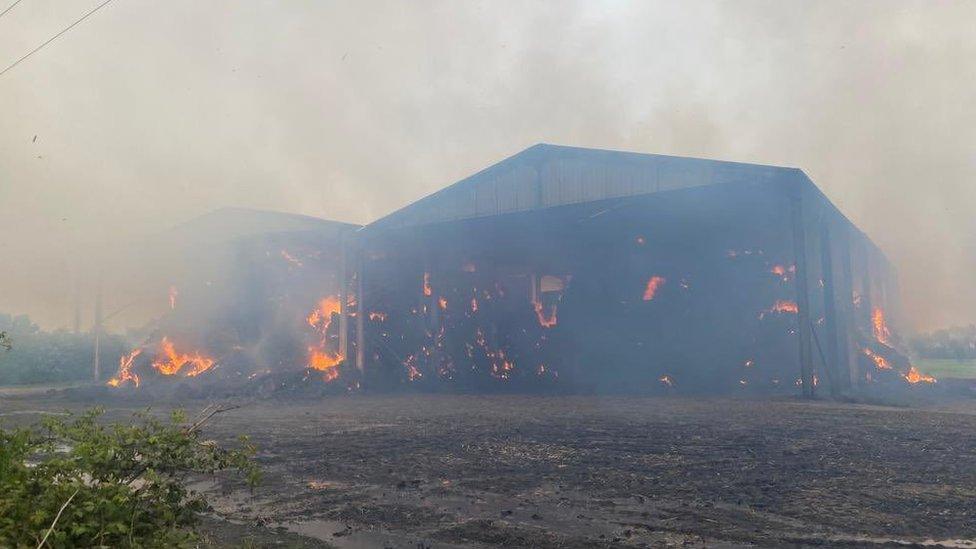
(544, 176)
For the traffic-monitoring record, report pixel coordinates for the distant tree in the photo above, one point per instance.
(957, 343)
(38, 356)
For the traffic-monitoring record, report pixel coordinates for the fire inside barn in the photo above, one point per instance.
(567, 269)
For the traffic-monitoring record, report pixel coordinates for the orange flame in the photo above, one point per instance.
(377, 316)
(321, 317)
(667, 380)
(784, 306)
(427, 289)
(173, 362)
(173, 292)
(781, 306)
(125, 370)
(653, 284)
(881, 332)
(879, 361)
(325, 362)
(442, 303)
(914, 376)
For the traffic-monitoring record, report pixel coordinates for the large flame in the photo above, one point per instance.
(653, 284)
(881, 332)
(319, 357)
(173, 362)
(125, 372)
(914, 376)
(325, 362)
(321, 317)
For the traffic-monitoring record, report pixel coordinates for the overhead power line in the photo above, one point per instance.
(4, 12)
(53, 38)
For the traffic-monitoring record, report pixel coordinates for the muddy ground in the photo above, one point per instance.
(529, 471)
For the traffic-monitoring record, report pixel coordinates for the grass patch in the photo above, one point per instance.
(948, 367)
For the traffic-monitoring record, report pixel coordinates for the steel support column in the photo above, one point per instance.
(802, 292)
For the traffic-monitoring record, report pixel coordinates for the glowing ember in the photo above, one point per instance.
(442, 303)
(474, 304)
(172, 297)
(781, 306)
(173, 362)
(748, 363)
(427, 290)
(376, 316)
(653, 284)
(546, 321)
(879, 361)
(881, 332)
(783, 272)
(667, 380)
(321, 317)
(501, 367)
(292, 260)
(914, 376)
(125, 370)
(413, 373)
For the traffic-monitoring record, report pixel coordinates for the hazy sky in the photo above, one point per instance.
(150, 113)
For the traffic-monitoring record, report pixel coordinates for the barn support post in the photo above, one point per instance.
(830, 308)
(802, 292)
(849, 322)
(360, 313)
(343, 298)
(97, 331)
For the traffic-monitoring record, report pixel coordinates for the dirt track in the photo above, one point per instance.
(411, 471)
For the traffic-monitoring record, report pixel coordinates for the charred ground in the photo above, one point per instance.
(595, 471)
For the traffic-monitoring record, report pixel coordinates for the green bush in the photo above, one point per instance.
(108, 486)
(37, 356)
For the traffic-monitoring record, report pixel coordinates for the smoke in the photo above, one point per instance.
(150, 114)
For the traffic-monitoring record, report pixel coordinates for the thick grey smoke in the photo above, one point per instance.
(151, 113)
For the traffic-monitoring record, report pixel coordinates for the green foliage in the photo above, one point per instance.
(38, 356)
(958, 343)
(126, 483)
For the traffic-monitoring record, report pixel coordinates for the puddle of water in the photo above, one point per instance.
(344, 537)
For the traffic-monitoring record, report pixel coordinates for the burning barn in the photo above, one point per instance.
(595, 270)
(557, 269)
(241, 294)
